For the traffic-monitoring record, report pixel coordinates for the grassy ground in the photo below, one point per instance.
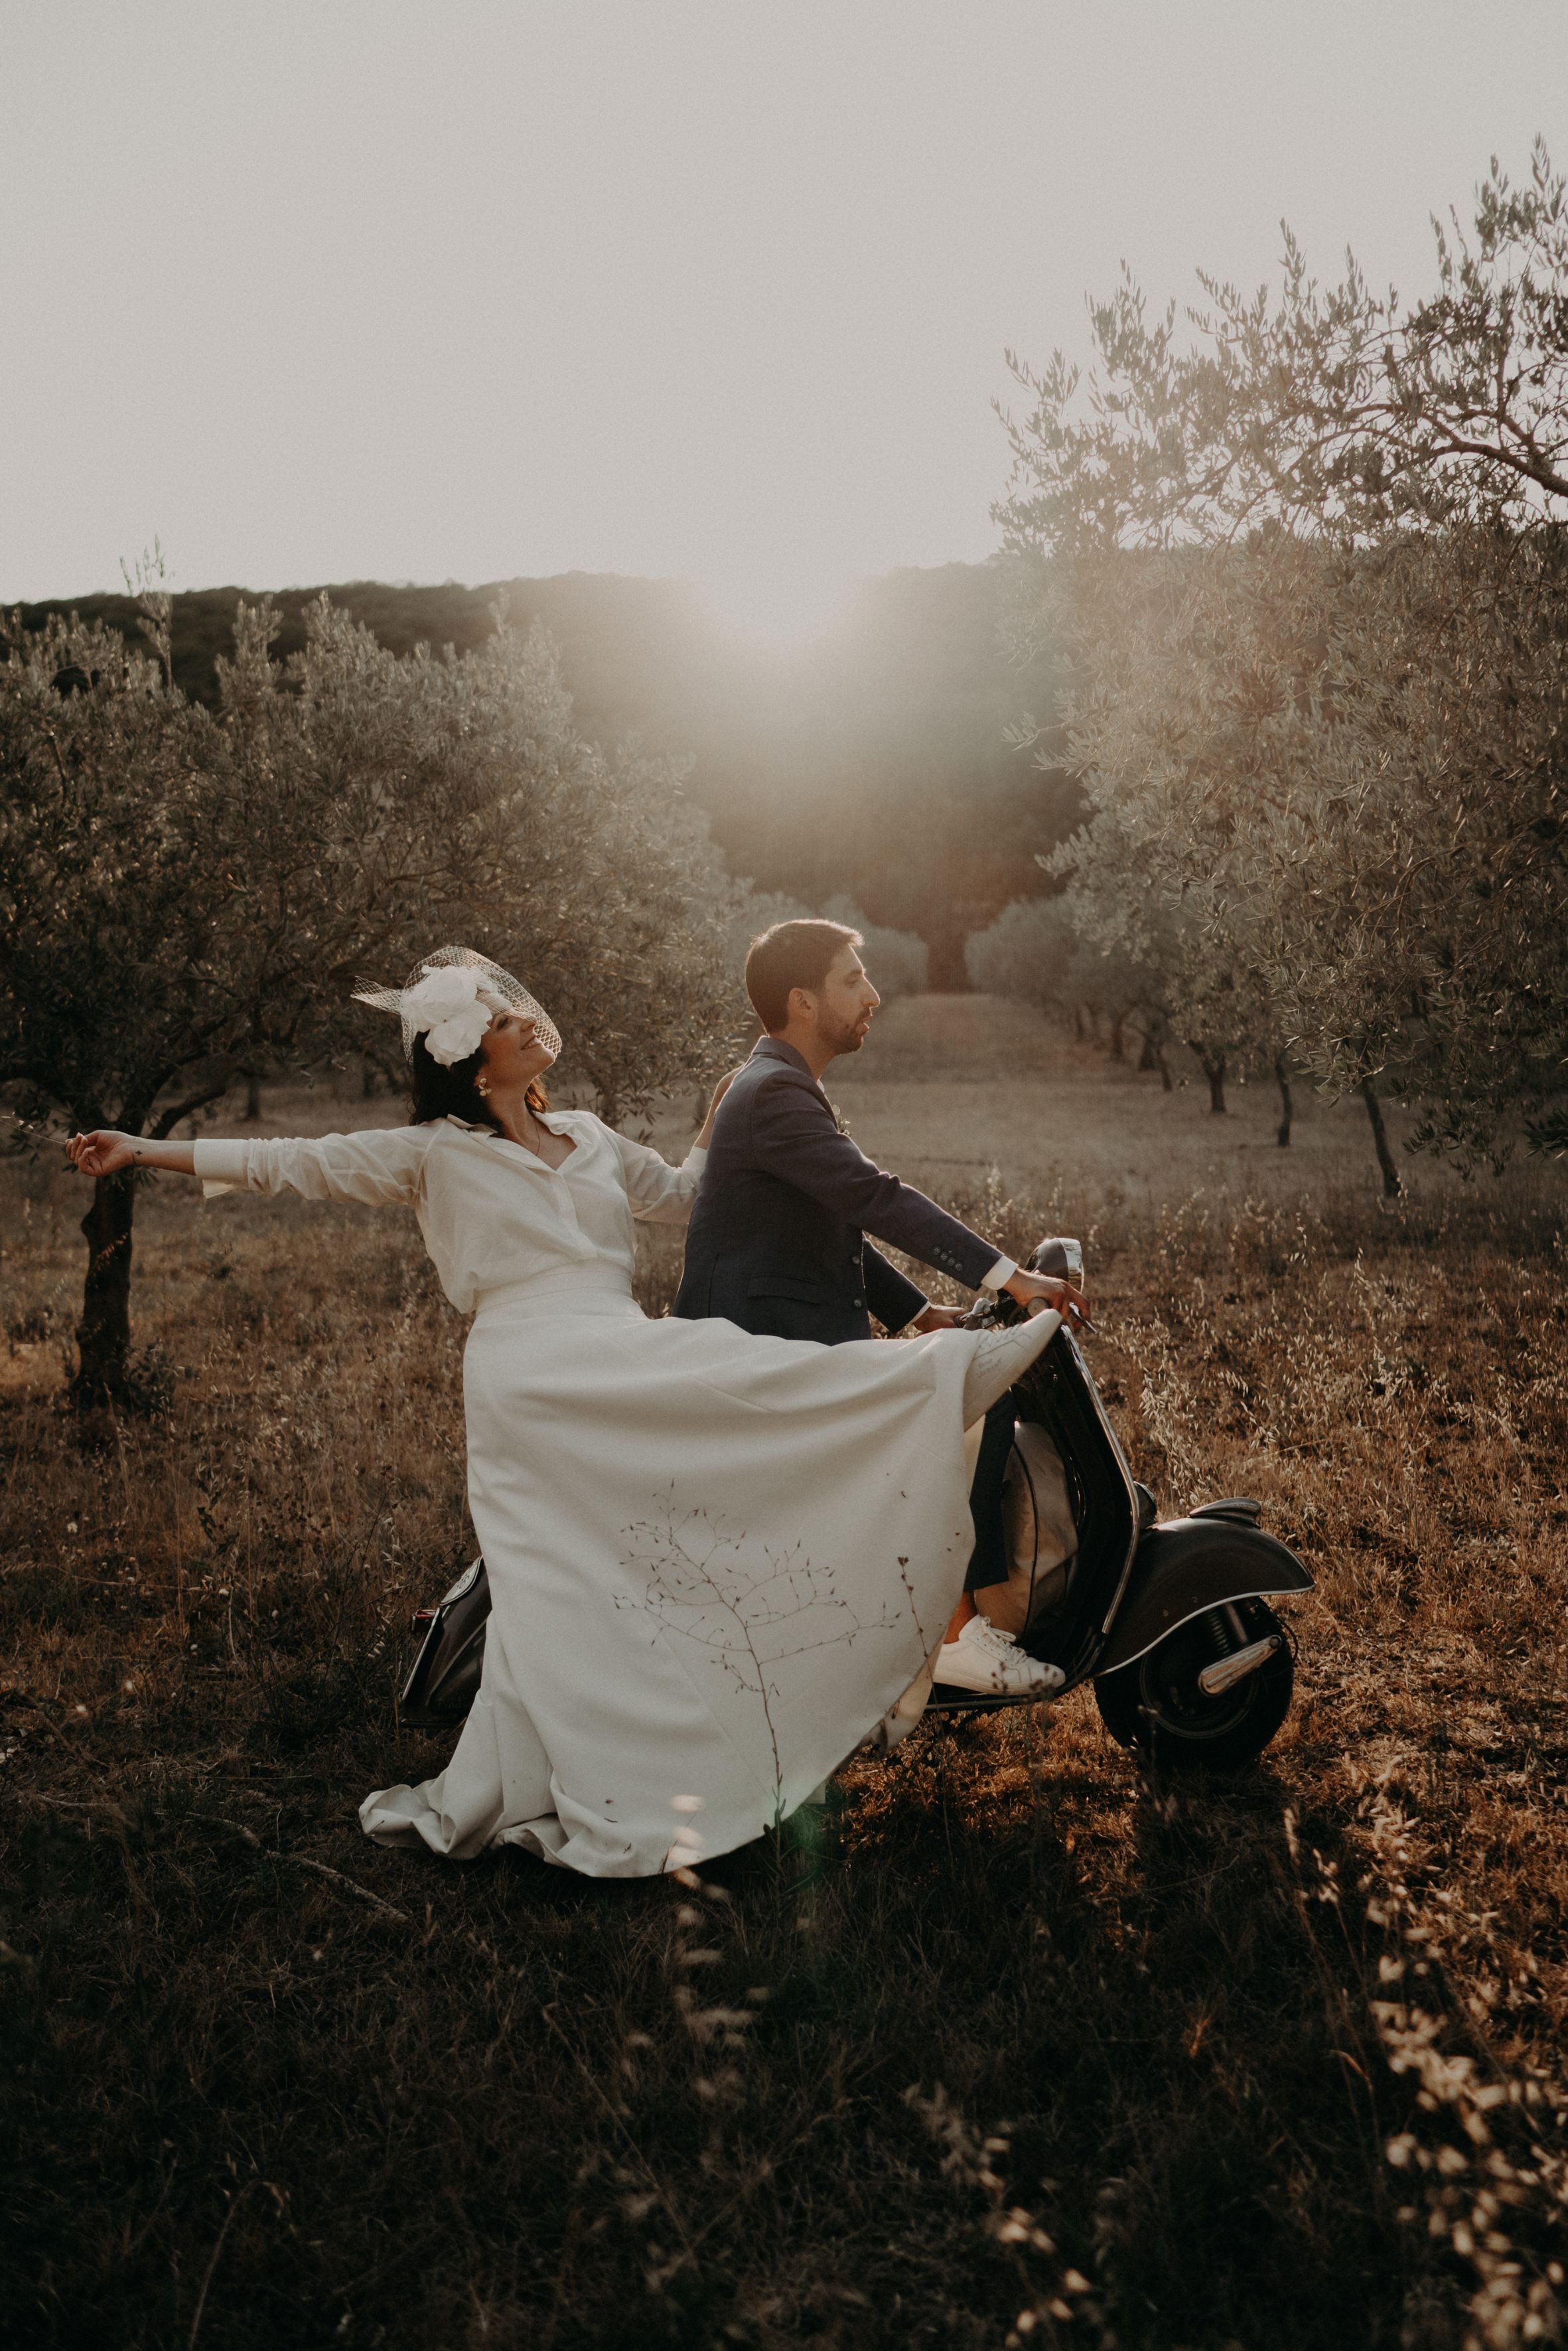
(1012, 2045)
(1020, 1097)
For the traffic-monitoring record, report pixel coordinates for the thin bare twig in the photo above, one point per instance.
(240, 2195)
(334, 1876)
(352, 1886)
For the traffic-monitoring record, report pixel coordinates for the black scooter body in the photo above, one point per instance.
(1146, 1607)
(444, 1680)
(1183, 1567)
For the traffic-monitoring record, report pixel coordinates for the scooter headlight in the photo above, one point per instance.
(1061, 1257)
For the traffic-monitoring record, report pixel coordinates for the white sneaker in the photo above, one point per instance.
(984, 1658)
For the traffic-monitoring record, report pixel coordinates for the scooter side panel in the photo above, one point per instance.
(1059, 1394)
(444, 1678)
(1190, 1564)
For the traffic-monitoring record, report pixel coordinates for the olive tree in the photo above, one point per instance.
(1129, 963)
(1027, 953)
(1305, 558)
(898, 961)
(1327, 409)
(186, 895)
(1325, 790)
(1034, 953)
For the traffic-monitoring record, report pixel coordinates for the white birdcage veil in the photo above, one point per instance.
(453, 1013)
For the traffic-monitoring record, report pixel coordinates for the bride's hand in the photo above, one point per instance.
(103, 1152)
(717, 1095)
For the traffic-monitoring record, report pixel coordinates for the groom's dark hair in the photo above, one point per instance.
(792, 954)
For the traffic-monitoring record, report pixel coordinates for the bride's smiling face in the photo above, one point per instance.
(512, 1054)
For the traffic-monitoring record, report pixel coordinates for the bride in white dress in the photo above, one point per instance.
(717, 1562)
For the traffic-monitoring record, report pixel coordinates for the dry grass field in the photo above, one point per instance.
(1013, 2044)
(1021, 1098)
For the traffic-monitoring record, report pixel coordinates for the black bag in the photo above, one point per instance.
(444, 1680)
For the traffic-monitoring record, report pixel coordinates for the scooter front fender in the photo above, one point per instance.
(1187, 1565)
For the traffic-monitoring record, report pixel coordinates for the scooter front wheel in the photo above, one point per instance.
(1159, 1704)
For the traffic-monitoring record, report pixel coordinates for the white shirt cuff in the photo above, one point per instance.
(222, 1166)
(1000, 1273)
(694, 1161)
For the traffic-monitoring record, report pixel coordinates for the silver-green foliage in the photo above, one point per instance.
(1332, 408)
(898, 961)
(1311, 574)
(184, 893)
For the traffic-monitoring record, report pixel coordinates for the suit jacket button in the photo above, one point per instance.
(857, 1301)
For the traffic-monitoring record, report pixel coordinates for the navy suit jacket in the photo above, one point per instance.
(776, 1239)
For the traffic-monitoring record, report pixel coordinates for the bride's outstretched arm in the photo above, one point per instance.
(105, 1151)
(381, 1166)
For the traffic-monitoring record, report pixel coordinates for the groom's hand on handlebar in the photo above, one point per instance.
(939, 1318)
(1063, 1298)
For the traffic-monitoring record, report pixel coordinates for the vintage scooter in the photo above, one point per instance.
(1168, 1618)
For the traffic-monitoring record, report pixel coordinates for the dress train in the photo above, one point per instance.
(718, 1564)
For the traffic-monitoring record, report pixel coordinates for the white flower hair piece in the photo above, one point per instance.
(445, 1006)
(450, 999)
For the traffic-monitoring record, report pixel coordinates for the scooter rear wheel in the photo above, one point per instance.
(1156, 1705)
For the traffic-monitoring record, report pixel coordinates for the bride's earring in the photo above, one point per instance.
(482, 1088)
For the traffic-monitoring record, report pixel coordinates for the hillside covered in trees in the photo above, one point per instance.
(872, 760)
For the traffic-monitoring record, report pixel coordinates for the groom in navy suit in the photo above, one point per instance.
(778, 1235)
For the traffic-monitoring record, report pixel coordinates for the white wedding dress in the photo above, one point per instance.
(717, 1562)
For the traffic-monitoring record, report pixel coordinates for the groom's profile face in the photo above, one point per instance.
(845, 1002)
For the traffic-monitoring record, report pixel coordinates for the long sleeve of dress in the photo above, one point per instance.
(383, 1167)
(659, 1194)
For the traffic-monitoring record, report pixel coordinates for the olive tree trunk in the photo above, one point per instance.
(1153, 1056)
(103, 1334)
(1213, 1067)
(1391, 1183)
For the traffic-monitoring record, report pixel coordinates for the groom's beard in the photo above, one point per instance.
(844, 1036)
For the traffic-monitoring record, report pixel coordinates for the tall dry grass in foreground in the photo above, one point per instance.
(1012, 2046)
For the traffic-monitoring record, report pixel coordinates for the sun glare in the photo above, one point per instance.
(776, 606)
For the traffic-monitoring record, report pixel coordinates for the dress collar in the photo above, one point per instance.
(475, 1127)
(547, 1119)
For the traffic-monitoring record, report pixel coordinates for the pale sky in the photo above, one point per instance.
(427, 289)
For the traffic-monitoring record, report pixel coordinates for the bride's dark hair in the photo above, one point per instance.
(447, 1090)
